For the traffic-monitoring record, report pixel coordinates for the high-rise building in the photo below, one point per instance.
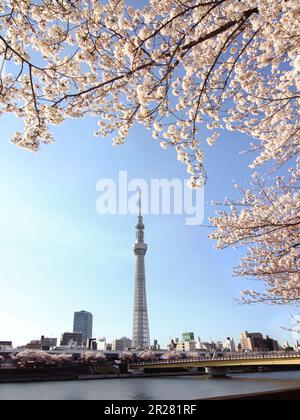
(83, 323)
(140, 334)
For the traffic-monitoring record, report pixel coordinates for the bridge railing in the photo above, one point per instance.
(248, 356)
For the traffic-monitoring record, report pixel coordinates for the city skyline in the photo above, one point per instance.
(181, 337)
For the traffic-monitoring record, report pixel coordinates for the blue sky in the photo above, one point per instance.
(57, 255)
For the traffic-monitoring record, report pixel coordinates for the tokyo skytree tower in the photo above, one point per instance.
(140, 334)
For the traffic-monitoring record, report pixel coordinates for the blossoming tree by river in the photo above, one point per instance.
(146, 355)
(192, 354)
(34, 359)
(268, 219)
(126, 356)
(92, 357)
(171, 355)
(29, 358)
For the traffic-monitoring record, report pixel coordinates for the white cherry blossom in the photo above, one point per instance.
(267, 221)
(227, 64)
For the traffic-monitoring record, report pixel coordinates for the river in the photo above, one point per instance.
(164, 388)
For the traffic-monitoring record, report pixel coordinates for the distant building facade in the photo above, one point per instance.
(33, 345)
(256, 342)
(83, 323)
(183, 345)
(5, 345)
(173, 344)
(71, 339)
(92, 344)
(229, 345)
(209, 346)
(188, 336)
(120, 344)
(47, 343)
(108, 346)
(156, 345)
(186, 345)
(270, 344)
(252, 341)
(101, 343)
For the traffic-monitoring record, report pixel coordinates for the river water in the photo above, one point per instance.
(164, 388)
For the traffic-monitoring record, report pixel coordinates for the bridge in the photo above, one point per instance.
(217, 366)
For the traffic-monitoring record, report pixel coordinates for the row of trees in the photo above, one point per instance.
(179, 68)
(127, 356)
(36, 359)
(42, 359)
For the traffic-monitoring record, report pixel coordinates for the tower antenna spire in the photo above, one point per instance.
(140, 201)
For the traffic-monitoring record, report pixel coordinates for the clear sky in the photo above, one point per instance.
(57, 255)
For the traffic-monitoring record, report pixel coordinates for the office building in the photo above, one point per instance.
(83, 323)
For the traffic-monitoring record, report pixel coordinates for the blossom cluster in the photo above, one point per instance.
(126, 356)
(179, 68)
(171, 355)
(146, 355)
(92, 357)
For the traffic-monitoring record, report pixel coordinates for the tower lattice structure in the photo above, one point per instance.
(140, 334)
